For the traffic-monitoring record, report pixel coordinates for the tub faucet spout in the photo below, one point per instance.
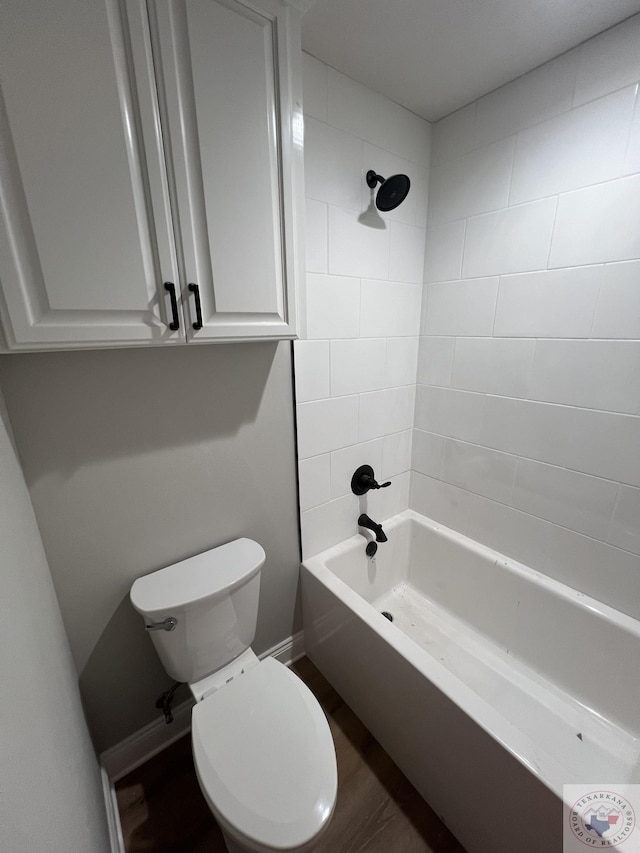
(370, 524)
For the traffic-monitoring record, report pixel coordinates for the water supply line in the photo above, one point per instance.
(165, 700)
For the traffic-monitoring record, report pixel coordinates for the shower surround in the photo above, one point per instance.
(527, 430)
(356, 369)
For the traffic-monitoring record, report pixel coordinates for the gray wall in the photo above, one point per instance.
(136, 459)
(51, 792)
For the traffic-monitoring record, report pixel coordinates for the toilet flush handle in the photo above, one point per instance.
(169, 624)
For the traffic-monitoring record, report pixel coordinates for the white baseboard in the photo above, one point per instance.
(113, 816)
(288, 651)
(153, 738)
(142, 745)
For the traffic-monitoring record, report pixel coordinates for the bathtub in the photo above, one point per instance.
(492, 687)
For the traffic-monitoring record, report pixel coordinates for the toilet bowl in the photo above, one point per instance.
(265, 761)
(262, 747)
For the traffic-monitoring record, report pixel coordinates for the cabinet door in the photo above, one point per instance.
(84, 249)
(230, 123)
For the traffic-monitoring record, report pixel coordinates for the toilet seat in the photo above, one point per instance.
(265, 758)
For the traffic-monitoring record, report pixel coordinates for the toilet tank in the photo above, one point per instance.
(213, 597)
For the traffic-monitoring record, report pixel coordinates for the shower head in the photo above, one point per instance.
(392, 192)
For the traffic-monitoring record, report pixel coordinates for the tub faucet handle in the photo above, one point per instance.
(364, 479)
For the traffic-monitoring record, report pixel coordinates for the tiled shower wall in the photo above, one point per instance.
(527, 415)
(356, 362)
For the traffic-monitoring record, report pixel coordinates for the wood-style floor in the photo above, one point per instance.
(378, 810)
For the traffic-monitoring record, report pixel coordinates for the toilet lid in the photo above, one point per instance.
(265, 758)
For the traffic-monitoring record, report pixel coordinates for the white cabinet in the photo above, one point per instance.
(148, 147)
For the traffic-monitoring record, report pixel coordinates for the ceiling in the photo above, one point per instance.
(434, 56)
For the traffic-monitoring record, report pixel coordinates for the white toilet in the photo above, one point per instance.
(262, 747)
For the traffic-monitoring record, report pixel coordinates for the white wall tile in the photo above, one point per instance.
(314, 479)
(453, 135)
(571, 558)
(493, 365)
(549, 303)
(406, 253)
(608, 61)
(478, 469)
(625, 527)
(356, 246)
(513, 240)
(535, 430)
(390, 309)
(396, 454)
(421, 190)
(385, 503)
(371, 116)
(579, 560)
(441, 502)
(443, 253)
(593, 374)
(544, 92)
(570, 279)
(326, 425)
(344, 463)
(632, 157)
(573, 500)
(457, 414)
(461, 307)
(358, 365)
(618, 310)
(584, 146)
(475, 183)
(435, 360)
(604, 444)
(317, 250)
(350, 129)
(328, 524)
(402, 362)
(332, 165)
(598, 224)
(312, 370)
(507, 530)
(314, 87)
(333, 306)
(385, 412)
(428, 453)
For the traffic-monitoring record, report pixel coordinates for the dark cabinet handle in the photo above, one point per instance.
(196, 293)
(170, 287)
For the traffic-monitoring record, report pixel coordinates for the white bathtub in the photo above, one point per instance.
(493, 686)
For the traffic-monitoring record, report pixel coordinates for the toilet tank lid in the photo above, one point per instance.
(202, 576)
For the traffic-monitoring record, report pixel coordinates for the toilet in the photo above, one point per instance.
(262, 747)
